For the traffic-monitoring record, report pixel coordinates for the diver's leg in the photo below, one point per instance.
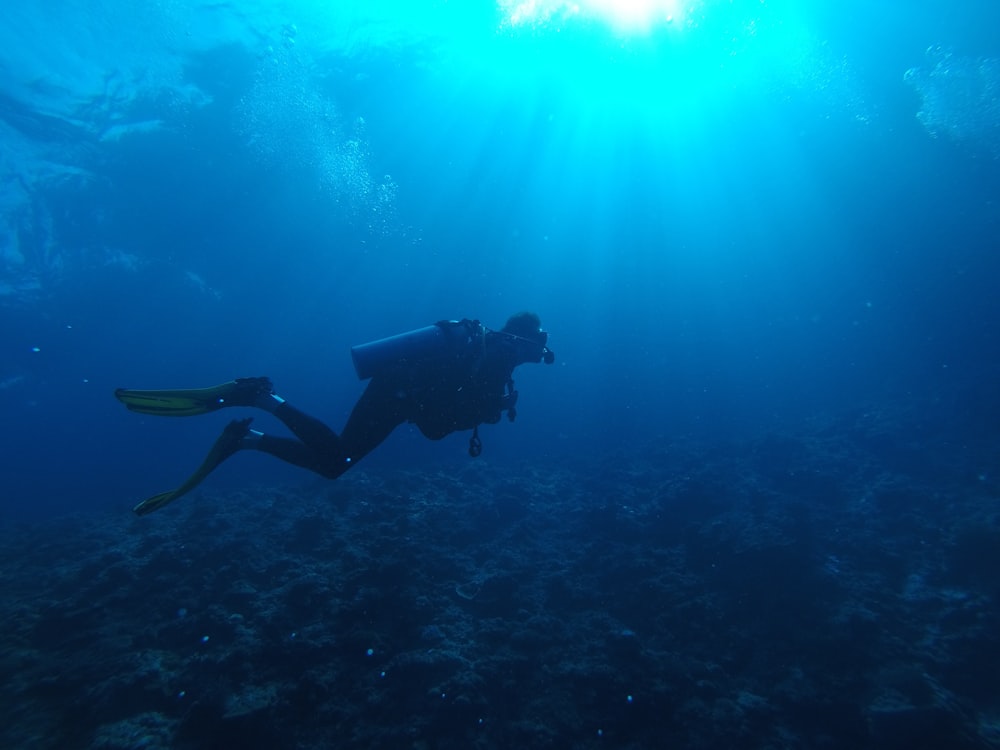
(230, 441)
(319, 448)
(297, 453)
(311, 431)
(378, 412)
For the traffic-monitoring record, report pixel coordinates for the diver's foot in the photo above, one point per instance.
(248, 392)
(228, 442)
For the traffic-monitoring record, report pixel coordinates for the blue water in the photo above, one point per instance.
(752, 216)
(752, 221)
(755, 492)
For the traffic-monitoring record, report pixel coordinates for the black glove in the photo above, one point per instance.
(508, 403)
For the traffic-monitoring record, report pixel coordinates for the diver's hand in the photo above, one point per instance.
(508, 403)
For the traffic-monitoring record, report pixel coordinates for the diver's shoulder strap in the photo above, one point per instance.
(467, 326)
(466, 337)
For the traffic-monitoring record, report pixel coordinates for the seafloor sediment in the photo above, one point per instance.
(830, 589)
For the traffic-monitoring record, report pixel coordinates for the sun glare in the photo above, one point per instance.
(625, 16)
(634, 15)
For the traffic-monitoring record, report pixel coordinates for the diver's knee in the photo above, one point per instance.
(252, 440)
(335, 467)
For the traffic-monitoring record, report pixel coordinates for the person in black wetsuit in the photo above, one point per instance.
(452, 376)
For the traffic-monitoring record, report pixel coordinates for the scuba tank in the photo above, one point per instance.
(444, 338)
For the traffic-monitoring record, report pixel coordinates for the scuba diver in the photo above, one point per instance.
(453, 375)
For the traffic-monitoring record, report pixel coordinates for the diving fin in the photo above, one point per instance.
(192, 401)
(227, 444)
(155, 503)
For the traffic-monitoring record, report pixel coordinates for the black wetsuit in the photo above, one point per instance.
(439, 395)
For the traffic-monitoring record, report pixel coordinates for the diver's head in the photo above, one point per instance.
(524, 331)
